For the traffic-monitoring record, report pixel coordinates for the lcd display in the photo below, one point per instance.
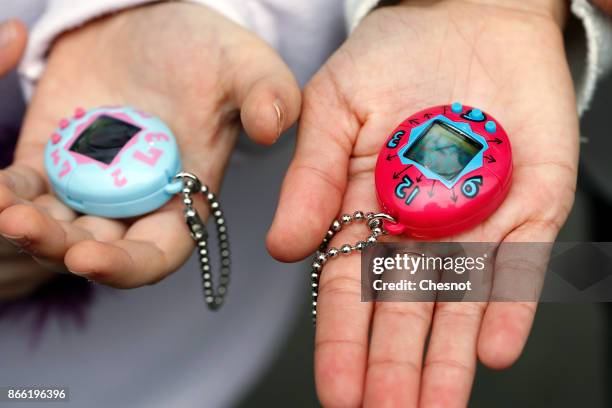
(443, 150)
(104, 139)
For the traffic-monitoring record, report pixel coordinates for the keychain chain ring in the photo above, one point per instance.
(192, 185)
(374, 222)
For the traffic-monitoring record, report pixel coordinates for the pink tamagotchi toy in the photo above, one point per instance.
(442, 171)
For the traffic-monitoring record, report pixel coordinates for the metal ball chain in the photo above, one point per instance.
(197, 228)
(374, 223)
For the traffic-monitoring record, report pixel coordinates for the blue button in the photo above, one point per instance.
(490, 126)
(457, 107)
(476, 114)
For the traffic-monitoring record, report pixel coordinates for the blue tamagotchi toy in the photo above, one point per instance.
(114, 162)
(120, 162)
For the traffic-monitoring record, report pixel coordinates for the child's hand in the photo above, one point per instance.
(186, 64)
(505, 58)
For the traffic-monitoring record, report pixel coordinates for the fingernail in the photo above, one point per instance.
(7, 34)
(280, 117)
(89, 276)
(72, 271)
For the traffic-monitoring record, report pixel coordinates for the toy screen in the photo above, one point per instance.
(443, 150)
(104, 139)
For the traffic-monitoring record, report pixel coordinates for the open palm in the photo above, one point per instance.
(198, 72)
(398, 61)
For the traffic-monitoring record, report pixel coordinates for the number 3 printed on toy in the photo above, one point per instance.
(395, 139)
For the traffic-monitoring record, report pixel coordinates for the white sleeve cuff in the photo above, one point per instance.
(63, 15)
(590, 57)
(356, 10)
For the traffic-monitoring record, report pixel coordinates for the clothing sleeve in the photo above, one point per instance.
(588, 43)
(63, 15)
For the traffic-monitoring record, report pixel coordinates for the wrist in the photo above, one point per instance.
(556, 10)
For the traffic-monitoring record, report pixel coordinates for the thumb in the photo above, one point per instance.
(13, 36)
(267, 93)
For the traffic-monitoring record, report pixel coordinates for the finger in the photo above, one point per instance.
(22, 181)
(47, 204)
(506, 325)
(450, 364)
(316, 180)
(35, 232)
(13, 37)
(144, 256)
(55, 207)
(267, 93)
(341, 342)
(121, 264)
(399, 331)
(343, 321)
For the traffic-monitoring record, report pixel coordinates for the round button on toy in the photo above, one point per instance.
(442, 171)
(113, 162)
